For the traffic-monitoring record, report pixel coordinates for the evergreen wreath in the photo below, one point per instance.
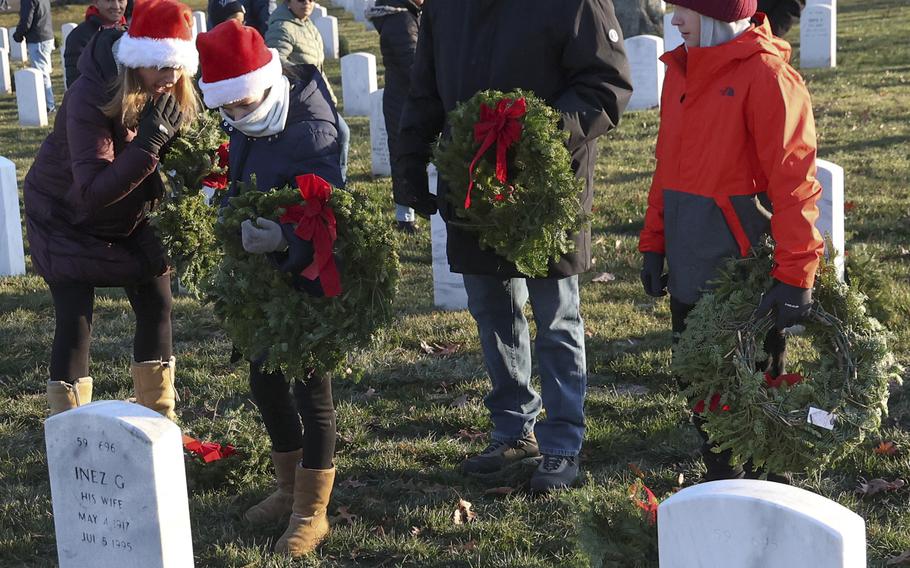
(510, 178)
(766, 419)
(185, 221)
(296, 333)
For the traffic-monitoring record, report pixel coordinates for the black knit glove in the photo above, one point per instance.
(414, 184)
(653, 277)
(159, 123)
(17, 37)
(300, 252)
(789, 303)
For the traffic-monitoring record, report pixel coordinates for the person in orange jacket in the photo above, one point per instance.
(736, 143)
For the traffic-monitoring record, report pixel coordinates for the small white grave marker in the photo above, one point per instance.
(17, 51)
(319, 12)
(672, 37)
(359, 8)
(448, 286)
(379, 138)
(30, 98)
(358, 80)
(12, 255)
(647, 70)
(744, 522)
(818, 37)
(6, 81)
(118, 487)
(4, 39)
(830, 221)
(328, 29)
(199, 23)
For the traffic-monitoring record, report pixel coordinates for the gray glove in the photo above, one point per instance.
(262, 237)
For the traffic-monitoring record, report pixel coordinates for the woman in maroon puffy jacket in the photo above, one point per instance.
(91, 188)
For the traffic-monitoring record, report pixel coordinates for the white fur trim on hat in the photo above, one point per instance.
(226, 91)
(147, 52)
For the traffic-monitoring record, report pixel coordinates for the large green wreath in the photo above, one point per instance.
(264, 315)
(530, 217)
(185, 222)
(842, 366)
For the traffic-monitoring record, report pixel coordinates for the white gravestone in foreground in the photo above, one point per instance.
(818, 37)
(328, 29)
(4, 39)
(6, 81)
(831, 209)
(448, 286)
(647, 70)
(12, 255)
(740, 523)
(672, 37)
(118, 487)
(379, 137)
(358, 80)
(30, 98)
(17, 51)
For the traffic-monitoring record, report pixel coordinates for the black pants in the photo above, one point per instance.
(73, 308)
(283, 413)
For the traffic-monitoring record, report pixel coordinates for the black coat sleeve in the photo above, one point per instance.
(422, 120)
(781, 13)
(75, 44)
(26, 18)
(599, 80)
(398, 41)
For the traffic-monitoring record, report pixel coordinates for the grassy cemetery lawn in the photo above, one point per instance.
(417, 409)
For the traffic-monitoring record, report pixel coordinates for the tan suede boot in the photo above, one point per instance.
(278, 505)
(309, 522)
(62, 395)
(153, 383)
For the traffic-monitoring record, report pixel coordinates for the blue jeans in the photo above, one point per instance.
(344, 140)
(496, 305)
(40, 56)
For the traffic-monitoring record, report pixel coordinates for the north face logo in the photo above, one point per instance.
(727, 92)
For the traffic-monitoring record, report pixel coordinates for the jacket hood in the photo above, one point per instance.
(704, 62)
(97, 62)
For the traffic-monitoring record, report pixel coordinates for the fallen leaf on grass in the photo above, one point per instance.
(902, 558)
(467, 547)
(499, 491)
(873, 486)
(637, 470)
(459, 402)
(849, 206)
(344, 515)
(681, 479)
(439, 350)
(603, 277)
(471, 434)
(886, 449)
(416, 531)
(463, 513)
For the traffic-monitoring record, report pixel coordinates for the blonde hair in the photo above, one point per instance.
(130, 98)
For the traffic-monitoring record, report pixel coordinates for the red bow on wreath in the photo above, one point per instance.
(777, 382)
(713, 405)
(316, 223)
(498, 126)
(208, 451)
(215, 180)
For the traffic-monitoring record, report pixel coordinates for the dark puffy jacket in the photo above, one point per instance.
(398, 22)
(35, 23)
(569, 53)
(76, 42)
(89, 191)
(257, 15)
(308, 143)
(782, 14)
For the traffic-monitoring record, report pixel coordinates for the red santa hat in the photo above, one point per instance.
(160, 35)
(236, 64)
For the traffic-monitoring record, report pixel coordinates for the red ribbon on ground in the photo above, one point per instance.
(650, 506)
(219, 181)
(498, 126)
(208, 451)
(316, 223)
(713, 405)
(775, 382)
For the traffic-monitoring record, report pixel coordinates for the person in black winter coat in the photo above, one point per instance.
(257, 15)
(782, 14)
(101, 14)
(223, 10)
(571, 55)
(397, 22)
(36, 28)
(281, 125)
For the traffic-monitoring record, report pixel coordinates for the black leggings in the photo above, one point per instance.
(73, 308)
(282, 417)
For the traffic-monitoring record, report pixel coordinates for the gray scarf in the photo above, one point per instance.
(270, 116)
(715, 32)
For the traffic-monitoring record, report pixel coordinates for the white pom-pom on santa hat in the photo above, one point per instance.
(160, 35)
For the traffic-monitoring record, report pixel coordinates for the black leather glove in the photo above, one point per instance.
(17, 38)
(415, 191)
(159, 122)
(789, 303)
(653, 277)
(300, 252)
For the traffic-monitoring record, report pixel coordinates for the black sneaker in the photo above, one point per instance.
(554, 472)
(500, 455)
(406, 227)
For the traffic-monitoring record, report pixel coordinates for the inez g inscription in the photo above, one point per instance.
(118, 487)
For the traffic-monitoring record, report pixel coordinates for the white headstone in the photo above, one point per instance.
(30, 98)
(818, 37)
(12, 255)
(647, 71)
(17, 51)
(328, 29)
(358, 80)
(199, 23)
(359, 8)
(118, 487)
(831, 209)
(6, 81)
(379, 138)
(745, 522)
(672, 37)
(319, 12)
(4, 39)
(448, 286)
(832, 3)
(65, 30)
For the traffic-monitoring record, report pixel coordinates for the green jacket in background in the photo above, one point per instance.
(297, 41)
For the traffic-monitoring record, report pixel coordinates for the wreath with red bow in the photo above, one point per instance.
(262, 309)
(510, 178)
(834, 395)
